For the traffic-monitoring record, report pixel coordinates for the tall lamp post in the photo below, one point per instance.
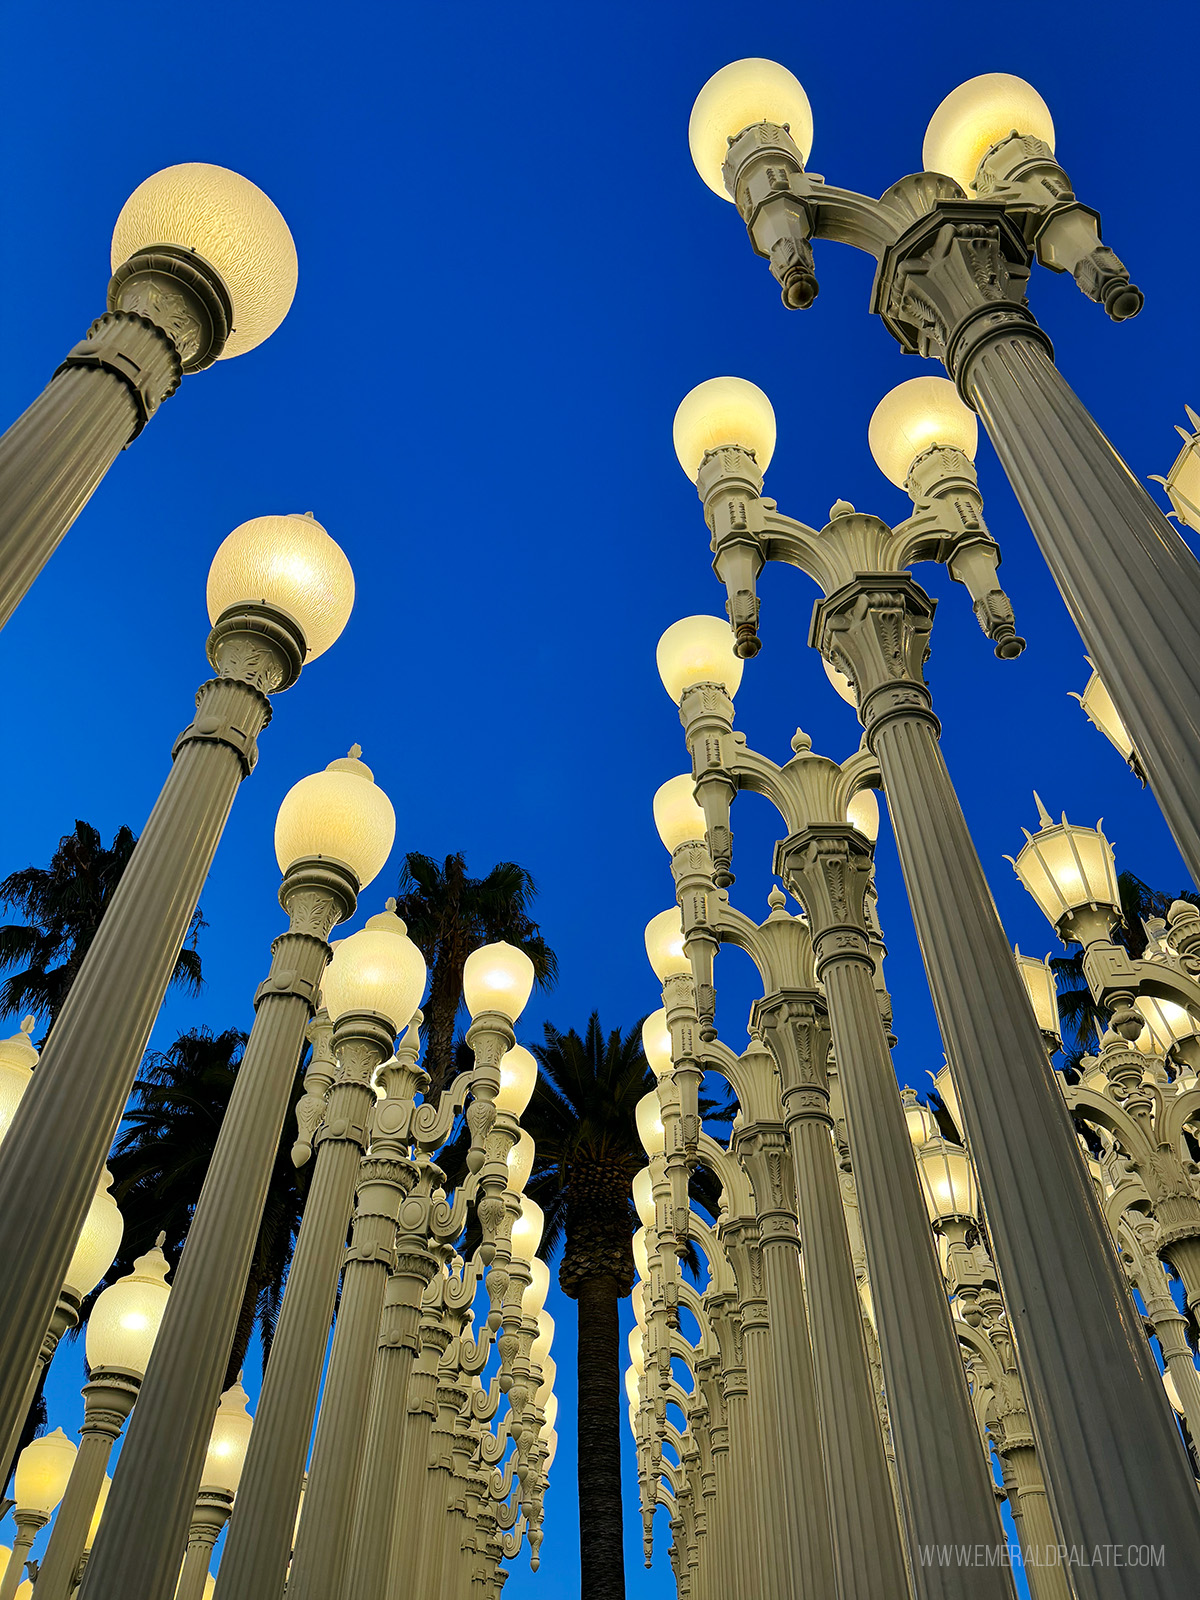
(219, 1479)
(955, 245)
(203, 268)
(43, 1471)
(279, 590)
(333, 834)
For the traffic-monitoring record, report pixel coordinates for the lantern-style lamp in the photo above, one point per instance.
(17, 1061)
(498, 977)
(917, 416)
(1182, 483)
(103, 1229)
(126, 1318)
(977, 115)
(718, 414)
(947, 1181)
(1100, 711)
(648, 1115)
(228, 1442)
(378, 971)
(677, 814)
(739, 95)
(1071, 873)
(656, 1042)
(339, 814)
(664, 947)
(1038, 978)
(922, 1124)
(518, 1079)
(290, 564)
(1167, 1024)
(947, 1091)
(520, 1162)
(698, 650)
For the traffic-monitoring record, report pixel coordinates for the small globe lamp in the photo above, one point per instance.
(677, 816)
(650, 1130)
(17, 1061)
(643, 1197)
(741, 94)
(374, 983)
(724, 414)
(527, 1235)
(641, 1254)
(978, 115)
(533, 1297)
(498, 979)
(664, 949)
(950, 1195)
(922, 1124)
(520, 1162)
(915, 417)
(540, 1348)
(223, 1462)
(695, 651)
(518, 1079)
(1071, 873)
(656, 1043)
(43, 1471)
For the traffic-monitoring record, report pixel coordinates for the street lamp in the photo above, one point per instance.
(219, 1479)
(203, 268)
(333, 833)
(44, 1469)
(121, 1333)
(287, 590)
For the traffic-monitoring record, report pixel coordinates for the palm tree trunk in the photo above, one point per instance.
(601, 1547)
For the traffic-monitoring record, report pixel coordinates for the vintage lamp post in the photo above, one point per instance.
(203, 268)
(279, 590)
(1113, 1471)
(121, 1333)
(44, 1469)
(219, 1479)
(951, 283)
(333, 833)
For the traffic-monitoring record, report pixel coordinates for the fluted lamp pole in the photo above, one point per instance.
(203, 268)
(279, 591)
(121, 1333)
(333, 833)
(43, 1471)
(219, 1479)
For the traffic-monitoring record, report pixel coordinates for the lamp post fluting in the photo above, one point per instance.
(333, 834)
(121, 1333)
(203, 268)
(279, 588)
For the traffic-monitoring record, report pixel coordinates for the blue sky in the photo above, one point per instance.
(509, 276)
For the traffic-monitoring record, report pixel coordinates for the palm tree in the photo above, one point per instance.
(63, 904)
(449, 915)
(162, 1155)
(582, 1121)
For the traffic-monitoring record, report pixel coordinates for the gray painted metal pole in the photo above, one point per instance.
(158, 1476)
(210, 1515)
(54, 1151)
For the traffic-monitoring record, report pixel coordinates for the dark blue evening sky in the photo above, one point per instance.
(509, 276)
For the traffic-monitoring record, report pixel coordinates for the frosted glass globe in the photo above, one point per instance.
(290, 563)
(721, 412)
(664, 947)
(551, 1438)
(977, 115)
(540, 1348)
(17, 1061)
(637, 1357)
(341, 814)
(498, 977)
(698, 650)
(126, 1318)
(533, 1298)
(379, 970)
(863, 813)
(632, 1393)
(43, 1468)
(641, 1255)
(546, 1388)
(228, 1442)
(912, 418)
(97, 1514)
(648, 1115)
(527, 1230)
(231, 223)
(103, 1228)
(841, 684)
(745, 92)
(643, 1198)
(520, 1162)
(656, 1042)
(551, 1415)
(677, 816)
(518, 1079)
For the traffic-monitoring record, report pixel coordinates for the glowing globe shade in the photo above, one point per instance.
(863, 813)
(378, 970)
(527, 1230)
(677, 816)
(1042, 989)
(498, 977)
(641, 1255)
(551, 1438)
(1066, 867)
(977, 115)
(1100, 711)
(24, 1590)
(637, 1299)
(546, 1387)
(17, 1061)
(656, 1042)
(637, 1356)
(43, 1468)
(841, 684)
(747, 91)
(1167, 1024)
(228, 221)
(228, 1442)
(125, 1319)
(721, 412)
(292, 564)
(540, 1347)
(664, 948)
(698, 650)
(551, 1409)
(643, 1197)
(947, 1180)
(648, 1115)
(99, 1241)
(520, 1162)
(534, 1296)
(914, 417)
(339, 814)
(97, 1514)
(518, 1079)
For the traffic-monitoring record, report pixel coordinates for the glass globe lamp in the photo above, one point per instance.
(677, 816)
(339, 814)
(227, 221)
(648, 1115)
(745, 92)
(1067, 870)
(540, 1347)
(721, 412)
(1167, 1024)
(17, 1061)
(533, 1297)
(637, 1358)
(643, 1197)
(498, 977)
(842, 686)
(641, 1254)
(126, 1318)
(546, 1388)
(228, 1442)
(518, 1079)
(656, 1042)
(977, 115)
(103, 1229)
(97, 1514)
(43, 1470)
(520, 1162)
(551, 1440)
(664, 947)
(915, 416)
(698, 650)
(637, 1299)
(947, 1181)
(527, 1231)
(291, 564)
(863, 813)
(551, 1410)
(1100, 711)
(377, 970)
